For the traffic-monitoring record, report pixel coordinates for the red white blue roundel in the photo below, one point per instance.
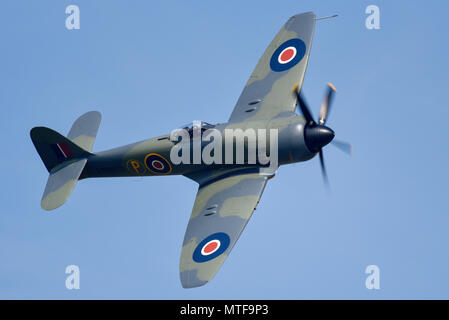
(211, 247)
(287, 55)
(157, 164)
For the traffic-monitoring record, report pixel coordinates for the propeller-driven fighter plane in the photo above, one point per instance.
(228, 193)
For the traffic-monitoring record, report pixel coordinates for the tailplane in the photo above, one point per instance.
(65, 158)
(61, 183)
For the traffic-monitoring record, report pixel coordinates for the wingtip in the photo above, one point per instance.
(192, 284)
(331, 86)
(190, 280)
(311, 13)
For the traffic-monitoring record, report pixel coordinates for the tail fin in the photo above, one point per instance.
(55, 149)
(63, 157)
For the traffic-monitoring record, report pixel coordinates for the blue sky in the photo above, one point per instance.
(149, 67)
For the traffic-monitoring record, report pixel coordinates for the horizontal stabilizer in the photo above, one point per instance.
(60, 184)
(84, 130)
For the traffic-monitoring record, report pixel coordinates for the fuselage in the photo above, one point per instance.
(153, 156)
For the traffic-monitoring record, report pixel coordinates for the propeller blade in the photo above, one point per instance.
(303, 105)
(346, 147)
(325, 106)
(323, 169)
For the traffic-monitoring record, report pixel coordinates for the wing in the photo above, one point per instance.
(222, 208)
(268, 91)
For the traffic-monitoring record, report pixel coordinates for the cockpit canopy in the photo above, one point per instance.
(197, 126)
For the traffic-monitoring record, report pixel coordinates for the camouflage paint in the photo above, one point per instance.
(227, 194)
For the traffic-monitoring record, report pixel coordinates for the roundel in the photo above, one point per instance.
(211, 247)
(287, 55)
(157, 164)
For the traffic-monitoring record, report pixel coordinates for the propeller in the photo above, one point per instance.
(344, 146)
(316, 134)
(325, 106)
